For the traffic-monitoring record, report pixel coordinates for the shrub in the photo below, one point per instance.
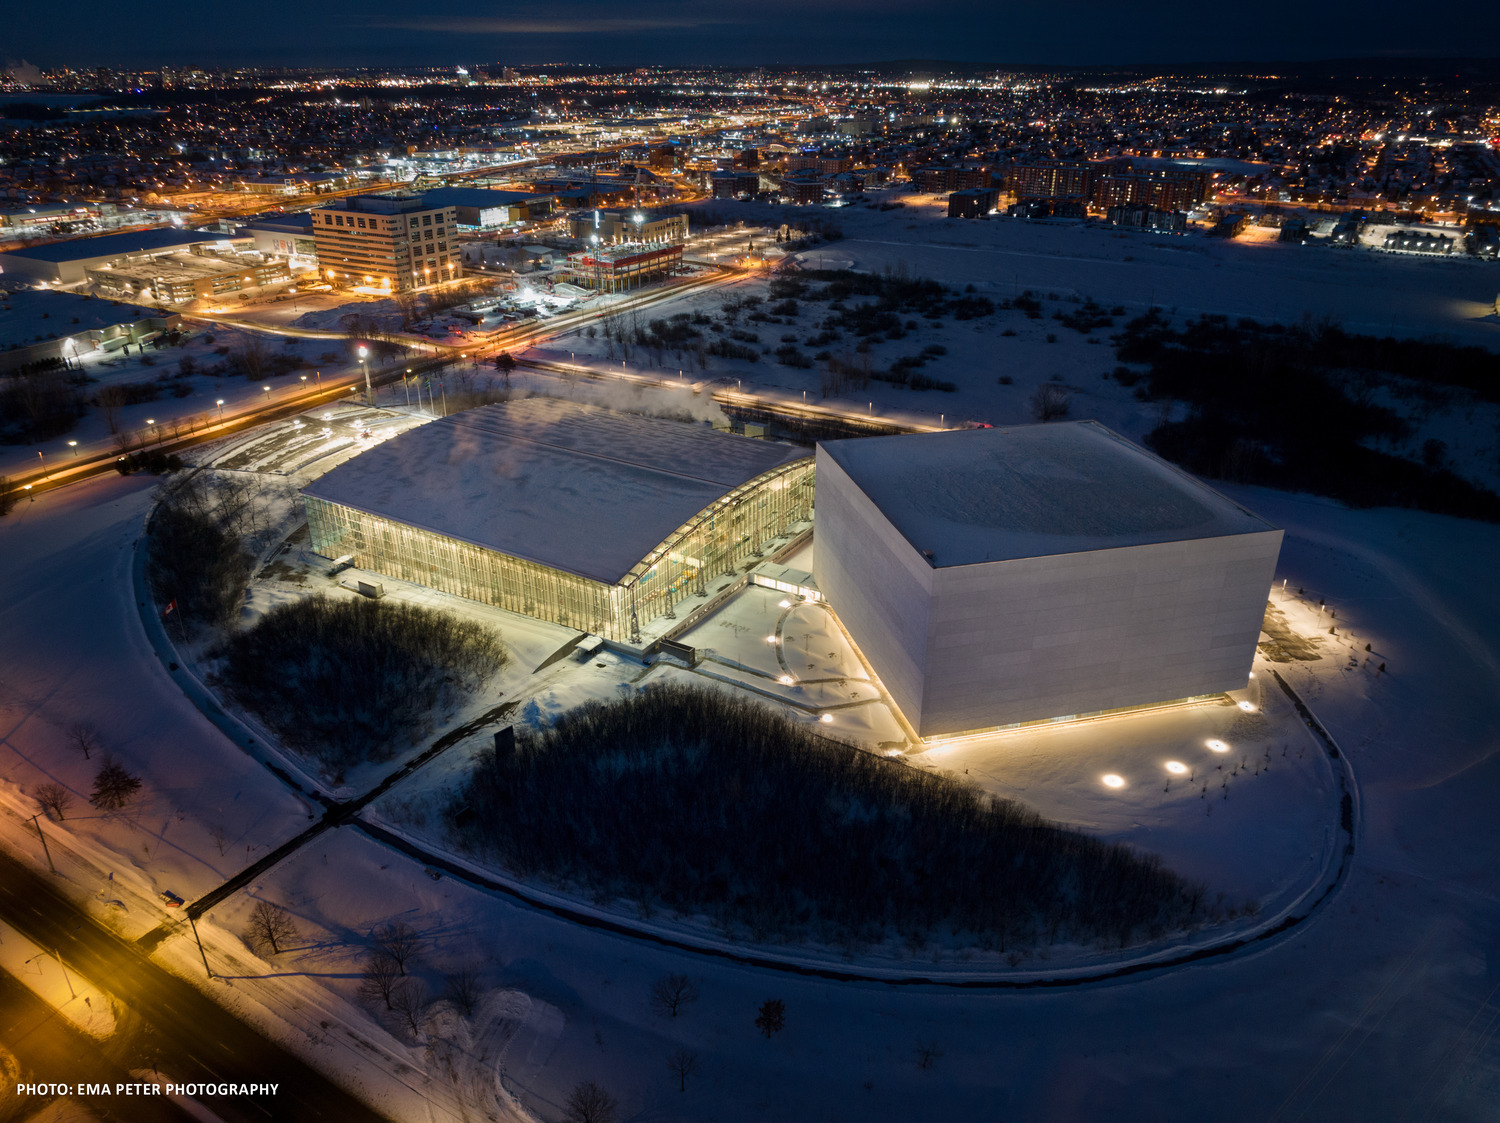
(354, 680)
(704, 803)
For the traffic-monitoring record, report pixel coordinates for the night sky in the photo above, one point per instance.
(396, 32)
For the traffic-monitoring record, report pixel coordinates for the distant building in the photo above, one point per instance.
(802, 188)
(622, 267)
(816, 162)
(66, 263)
(1050, 179)
(1294, 229)
(284, 235)
(973, 202)
(1232, 225)
(178, 278)
(1142, 216)
(939, 179)
(395, 241)
(734, 185)
(41, 324)
(613, 227)
(1164, 188)
(1419, 241)
(485, 209)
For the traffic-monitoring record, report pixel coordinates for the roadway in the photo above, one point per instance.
(191, 1037)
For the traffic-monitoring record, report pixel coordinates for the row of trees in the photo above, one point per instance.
(197, 546)
(706, 804)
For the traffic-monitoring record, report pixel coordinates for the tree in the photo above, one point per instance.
(379, 978)
(1049, 403)
(670, 993)
(84, 737)
(682, 1063)
(113, 786)
(462, 989)
(409, 999)
(270, 927)
(928, 1054)
(54, 798)
(590, 1103)
(772, 1016)
(398, 940)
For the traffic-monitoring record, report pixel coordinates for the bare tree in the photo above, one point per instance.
(1050, 402)
(928, 1054)
(670, 993)
(462, 988)
(590, 1103)
(270, 927)
(379, 978)
(409, 999)
(772, 1016)
(113, 786)
(84, 737)
(252, 355)
(398, 940)
(682, 1063)
(54, 798)
(220, 837)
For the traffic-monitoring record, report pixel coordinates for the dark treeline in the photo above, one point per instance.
(1292, 407)
(348, 681)
(700, 803)
(196, 552)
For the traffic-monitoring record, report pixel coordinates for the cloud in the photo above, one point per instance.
(480, 25)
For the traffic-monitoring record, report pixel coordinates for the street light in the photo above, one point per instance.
(267, 389)
(43, 459)
(364, 366)
(220, 404)
(74, 446)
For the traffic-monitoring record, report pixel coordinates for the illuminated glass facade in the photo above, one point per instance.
(716, 541)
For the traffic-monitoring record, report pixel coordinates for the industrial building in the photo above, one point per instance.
(595, 520)
(625, 266)
(994, 577)
(37, 325)
(67, 263)
(178, 278)
(394, 241)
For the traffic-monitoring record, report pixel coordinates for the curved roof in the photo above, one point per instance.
(573, 487)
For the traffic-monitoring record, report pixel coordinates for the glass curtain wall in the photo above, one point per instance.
(716, 542)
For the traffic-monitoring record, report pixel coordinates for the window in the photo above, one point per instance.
(361, 224)
(442, 247)
(328, 220)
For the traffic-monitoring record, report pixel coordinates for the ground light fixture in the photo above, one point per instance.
(785, 680)
(1217, 746)
(771, 639)
(827, 719)
(1248, 707)
(1176, 767)
(1113, 781)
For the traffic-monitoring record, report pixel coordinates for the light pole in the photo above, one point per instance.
(29, 497)
(406, 385)
(364, 366)
(74, 446)
(320, 378)
(151, 421)
(220, 404)
(267, 389)
(43, 459)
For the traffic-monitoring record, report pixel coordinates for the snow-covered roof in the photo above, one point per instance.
(969, 496)
(569, 486)
(34, 315)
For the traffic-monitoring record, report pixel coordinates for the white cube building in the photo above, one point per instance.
(999, 576)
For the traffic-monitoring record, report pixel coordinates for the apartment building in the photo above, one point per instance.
(396, 241)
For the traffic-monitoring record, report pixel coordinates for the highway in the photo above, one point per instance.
(190, 1036)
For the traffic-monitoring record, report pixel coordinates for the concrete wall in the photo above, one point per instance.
(1039, 638)
(880, 588)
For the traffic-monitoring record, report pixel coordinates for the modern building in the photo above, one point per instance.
(596, 520)
(37, 325)
(608, 228)
(66, 263)
(394, 241)
(994, 577)
(625, 266)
